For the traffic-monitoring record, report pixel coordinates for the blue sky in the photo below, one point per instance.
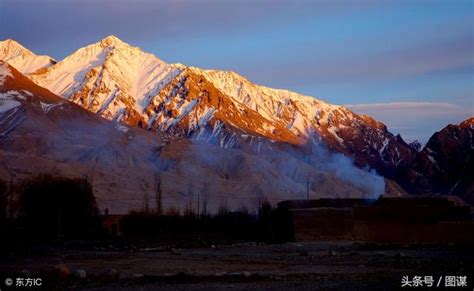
(408, 63)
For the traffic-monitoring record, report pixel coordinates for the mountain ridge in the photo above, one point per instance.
(445, 164)
(121, 82)
(41, 132)
(22, 58)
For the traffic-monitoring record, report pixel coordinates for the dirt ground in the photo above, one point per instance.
(249, 266)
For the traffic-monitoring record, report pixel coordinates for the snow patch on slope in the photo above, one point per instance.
(333, 131)
(4, 73)
(121, 128)
(47, 107)
(7, 101)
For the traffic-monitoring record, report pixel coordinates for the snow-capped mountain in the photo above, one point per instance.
(110, 78)
(41, 132)
(23, 59)
(124, 84)
(121, 82)
(366, 140)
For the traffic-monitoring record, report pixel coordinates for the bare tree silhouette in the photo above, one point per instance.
(146, 203)
(259, 197)
(159, 194)
(189, 211)
(205, 193)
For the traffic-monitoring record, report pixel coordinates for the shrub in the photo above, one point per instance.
(58, 207)
(3, 200)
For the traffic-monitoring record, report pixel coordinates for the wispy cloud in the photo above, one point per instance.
(430, 107)
(449, 54)
(415, 120)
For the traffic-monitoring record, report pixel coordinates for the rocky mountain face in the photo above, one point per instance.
(123, 83)
(41, 132)
(23, 59)
(446, 163)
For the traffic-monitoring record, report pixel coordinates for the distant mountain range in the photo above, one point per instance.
(128, 86)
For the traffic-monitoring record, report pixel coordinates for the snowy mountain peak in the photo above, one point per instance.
(111, 40)
(10, 48)
(113, 45)
(109, 77)
(22, 58)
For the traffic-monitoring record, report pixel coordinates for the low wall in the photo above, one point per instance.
(393, 232)
(406, 220)
(322, 224)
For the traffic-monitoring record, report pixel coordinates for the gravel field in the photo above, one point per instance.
(298, 266)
